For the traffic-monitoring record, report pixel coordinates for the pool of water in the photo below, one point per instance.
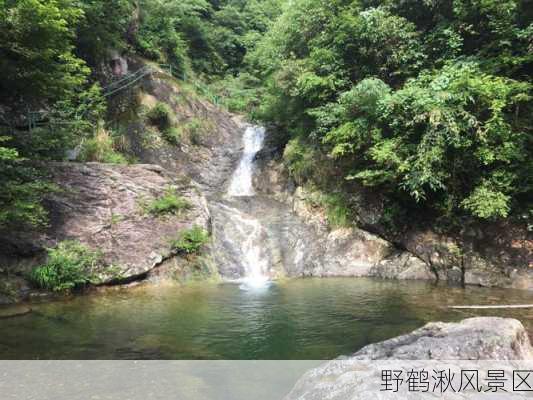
(299, 319)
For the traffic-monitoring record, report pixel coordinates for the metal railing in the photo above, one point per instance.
(42, 118)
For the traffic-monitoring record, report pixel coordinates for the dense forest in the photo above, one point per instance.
(428, 103)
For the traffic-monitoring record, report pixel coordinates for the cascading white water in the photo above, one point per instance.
(241, 182)
(248, 237)
(251, 232)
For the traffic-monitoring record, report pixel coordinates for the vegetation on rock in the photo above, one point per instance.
(70, 265)
(160, 116)
(53, 55)
(191, 241)
(168, 203)
(101, 148)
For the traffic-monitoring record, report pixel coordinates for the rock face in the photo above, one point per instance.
(293, 247)
(102, 207)
(209, 157)
(470, 341)
(491, 256)
(500, 257)
(340, 252)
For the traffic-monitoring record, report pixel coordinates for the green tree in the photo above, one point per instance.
(427, 102)
(36, 50)
(104, 27)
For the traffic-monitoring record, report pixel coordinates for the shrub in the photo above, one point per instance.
(453, 140)
(338, 210)
(172, 135)
(160, 116)
(169, 203)
(487, 203)
(191, 240)
(101, 148)
(69, 265)
(299, 160)
(336, 205)
(195, 129)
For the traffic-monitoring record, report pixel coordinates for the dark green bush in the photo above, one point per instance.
(69, 266)
(191, 240)
(172, 135)
(160, 116)
(23, 189)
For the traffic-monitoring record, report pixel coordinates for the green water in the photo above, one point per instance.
(299, 319)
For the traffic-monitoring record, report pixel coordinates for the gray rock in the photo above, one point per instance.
(483, 338)
(285, 244)
(313, 249)
(402, 266)
(353, 252)
(100, 205)
(503, 262)
(472, 343)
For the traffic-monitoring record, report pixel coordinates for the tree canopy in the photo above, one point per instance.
(427, 102)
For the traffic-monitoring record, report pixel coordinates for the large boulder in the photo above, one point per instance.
(471, 344)
(483, 338)
(103, 207)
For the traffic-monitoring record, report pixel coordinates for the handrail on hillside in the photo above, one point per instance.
(36, 118)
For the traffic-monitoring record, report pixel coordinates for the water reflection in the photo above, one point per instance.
(300, 319)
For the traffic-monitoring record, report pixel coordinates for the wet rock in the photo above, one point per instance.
(262, 230)
(13, 289)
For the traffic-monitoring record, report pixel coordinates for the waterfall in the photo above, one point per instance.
(246, 241)
(249, 234)
(241, 182)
